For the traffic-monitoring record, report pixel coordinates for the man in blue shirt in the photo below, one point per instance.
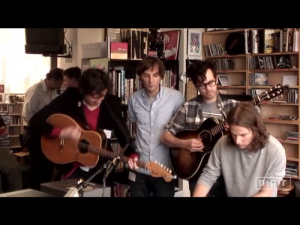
(150, 109)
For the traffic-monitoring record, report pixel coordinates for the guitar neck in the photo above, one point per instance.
(110, 155)
(219, 128)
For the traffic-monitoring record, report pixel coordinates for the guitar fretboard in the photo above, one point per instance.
(108, 154)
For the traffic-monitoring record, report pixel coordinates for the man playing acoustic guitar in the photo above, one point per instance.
(90, 105)
(251, 161)
(194, 112)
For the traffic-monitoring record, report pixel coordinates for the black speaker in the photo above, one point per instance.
(45, 41)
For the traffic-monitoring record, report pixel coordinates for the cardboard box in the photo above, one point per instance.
(60, 188)
(95, 50)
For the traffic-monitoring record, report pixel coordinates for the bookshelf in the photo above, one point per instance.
(11, 114)
(256, 60)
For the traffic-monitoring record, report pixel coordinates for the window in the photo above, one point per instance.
(18, 70)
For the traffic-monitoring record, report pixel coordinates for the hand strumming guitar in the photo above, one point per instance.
(194, 145)
(71, 132)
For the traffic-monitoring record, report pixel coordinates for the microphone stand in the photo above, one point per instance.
(77, 191)
(113, 164)
(109, 166)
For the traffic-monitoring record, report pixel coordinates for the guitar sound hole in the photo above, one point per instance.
(83, 146)
(206, 137)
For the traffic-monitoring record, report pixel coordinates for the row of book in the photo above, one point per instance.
(124, 86)
(224, 64)
(262, 41)
(5, 138)
(269, 62)
(291, 169)
(271, 40)
(291, 136)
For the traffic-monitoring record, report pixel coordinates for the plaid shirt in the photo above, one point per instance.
(190, 117)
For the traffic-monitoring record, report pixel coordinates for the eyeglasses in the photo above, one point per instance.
(203, 85)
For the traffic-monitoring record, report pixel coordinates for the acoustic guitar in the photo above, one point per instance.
(88, 149)
(187, 164)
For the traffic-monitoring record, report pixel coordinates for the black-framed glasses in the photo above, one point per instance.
(211, 83)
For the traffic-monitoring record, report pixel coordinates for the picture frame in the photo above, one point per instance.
(224, 80)
(20, 97)
(2, 88)
(171, 41)
(291, 80)
(260, 79)
(194, 42)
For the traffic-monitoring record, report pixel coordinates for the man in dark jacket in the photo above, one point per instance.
(91, 105)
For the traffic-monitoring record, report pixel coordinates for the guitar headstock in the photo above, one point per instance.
(271, 93)
(159, 170)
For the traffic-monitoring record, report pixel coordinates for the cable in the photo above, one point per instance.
(104, 186)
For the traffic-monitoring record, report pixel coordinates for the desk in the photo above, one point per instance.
(60, 188)
(26, 193)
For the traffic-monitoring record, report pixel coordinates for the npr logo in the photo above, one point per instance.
(271, 182)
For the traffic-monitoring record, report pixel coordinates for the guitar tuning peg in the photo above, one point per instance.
(155, 161)
(161, 165)
(281, 96)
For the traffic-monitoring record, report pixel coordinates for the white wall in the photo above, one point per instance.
(79, 36)
(72, 37)
(86, 36)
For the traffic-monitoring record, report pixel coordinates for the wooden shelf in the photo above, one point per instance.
(228, 31)
(251, 55)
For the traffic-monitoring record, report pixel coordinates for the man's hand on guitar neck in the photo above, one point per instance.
(132, 162)
(71, 132)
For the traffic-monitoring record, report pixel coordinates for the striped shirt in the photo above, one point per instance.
(192, 114)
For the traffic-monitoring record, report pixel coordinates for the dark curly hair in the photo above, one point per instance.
(246, 115)
(197, 70)
(94, 81)
(73, 72)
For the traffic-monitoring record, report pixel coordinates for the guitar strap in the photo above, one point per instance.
(199, 113)
(221, 107)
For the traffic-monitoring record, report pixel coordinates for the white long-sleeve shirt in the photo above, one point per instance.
(36, 97)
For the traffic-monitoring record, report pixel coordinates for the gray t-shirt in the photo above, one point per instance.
(245, 172)
(211, 110)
